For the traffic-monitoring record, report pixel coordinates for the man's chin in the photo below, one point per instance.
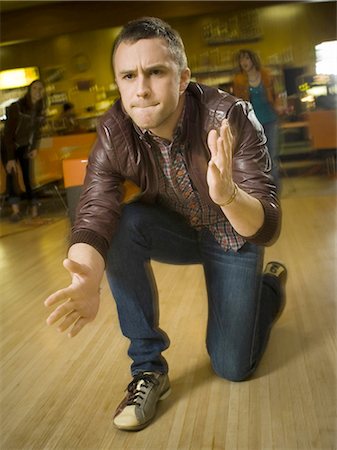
(142, 123)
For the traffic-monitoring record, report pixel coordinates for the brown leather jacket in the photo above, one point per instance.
(120, 154)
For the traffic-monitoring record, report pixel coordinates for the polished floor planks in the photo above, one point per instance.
(60, 393)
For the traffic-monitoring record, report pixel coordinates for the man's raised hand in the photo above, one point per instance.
(219, 173)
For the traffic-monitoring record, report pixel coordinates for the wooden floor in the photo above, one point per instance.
(60, 393)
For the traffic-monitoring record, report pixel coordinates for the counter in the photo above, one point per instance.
(53, 150)
(323, 129)
(47, 167)
(317, 132)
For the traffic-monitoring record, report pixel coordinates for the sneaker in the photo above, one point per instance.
(276, 269)
(279, 271)
(138, 408)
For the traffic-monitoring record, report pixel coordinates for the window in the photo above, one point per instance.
(326, 58)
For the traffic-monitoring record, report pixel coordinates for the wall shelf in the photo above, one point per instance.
(230, 41)
(211, 72)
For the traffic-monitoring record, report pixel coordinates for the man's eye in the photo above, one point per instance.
(156, 72)
(128, 76)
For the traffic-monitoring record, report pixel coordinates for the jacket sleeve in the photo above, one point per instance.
(99, 208)
(251, 169)
(11, 124)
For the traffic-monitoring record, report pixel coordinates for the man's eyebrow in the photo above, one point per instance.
(126, 71)
(156, 66)
(147, 69)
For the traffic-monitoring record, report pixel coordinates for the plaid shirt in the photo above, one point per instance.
(176, 192)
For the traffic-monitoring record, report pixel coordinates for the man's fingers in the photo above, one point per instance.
(58, 296)
(227, 136)
(221, 146)
(59, 312)
(225, 128)
(222, 154)
(72, 317)
(213, 169)
(212, 142)
(79, 324)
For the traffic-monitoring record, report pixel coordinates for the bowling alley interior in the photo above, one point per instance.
(61, 393)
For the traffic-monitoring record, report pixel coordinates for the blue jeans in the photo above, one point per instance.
(241, 302)
(25, 163)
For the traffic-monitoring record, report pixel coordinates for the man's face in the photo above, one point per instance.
(150, 84)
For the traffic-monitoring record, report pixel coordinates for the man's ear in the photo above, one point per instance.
(185, 78)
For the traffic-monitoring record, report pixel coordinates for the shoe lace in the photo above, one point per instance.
(137, 387)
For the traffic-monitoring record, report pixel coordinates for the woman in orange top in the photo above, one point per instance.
(255, 84)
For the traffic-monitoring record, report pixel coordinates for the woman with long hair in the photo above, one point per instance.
(21, 137)
(255, 84)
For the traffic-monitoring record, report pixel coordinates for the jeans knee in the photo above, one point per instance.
(231, 368)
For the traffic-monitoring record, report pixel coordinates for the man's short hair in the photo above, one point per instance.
(150, 28)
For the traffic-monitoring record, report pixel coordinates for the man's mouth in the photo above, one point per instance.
(144, 106)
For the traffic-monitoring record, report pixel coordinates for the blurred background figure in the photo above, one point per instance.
(256, 84)
(69, 119)
(25, 118)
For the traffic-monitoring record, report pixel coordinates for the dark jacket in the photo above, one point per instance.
(22, 127)
(120, 153)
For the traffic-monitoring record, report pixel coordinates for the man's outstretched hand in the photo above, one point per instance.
(78, 303)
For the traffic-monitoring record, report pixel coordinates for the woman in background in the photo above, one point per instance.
(21, 137)
(255, 84)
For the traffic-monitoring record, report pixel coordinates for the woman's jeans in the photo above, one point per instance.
(241, 302)
(25, 163)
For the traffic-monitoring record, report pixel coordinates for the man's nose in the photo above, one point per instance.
(143, 87)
